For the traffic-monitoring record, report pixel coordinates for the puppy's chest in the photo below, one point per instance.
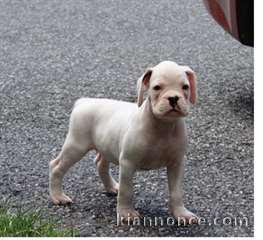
(161, 153)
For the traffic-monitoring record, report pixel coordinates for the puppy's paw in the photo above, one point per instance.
(127, 214)
(61, 199)
(184, 216)
(112, 191)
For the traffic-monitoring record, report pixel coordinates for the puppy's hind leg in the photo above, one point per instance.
(71, 152)
(103, 168)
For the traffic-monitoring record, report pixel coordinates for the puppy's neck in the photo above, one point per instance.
(155, 124)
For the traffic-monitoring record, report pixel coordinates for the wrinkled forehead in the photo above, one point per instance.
(168, 75)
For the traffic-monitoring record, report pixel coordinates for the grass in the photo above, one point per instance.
(29, 223)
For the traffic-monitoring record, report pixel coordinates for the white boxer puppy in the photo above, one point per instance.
(148, 135)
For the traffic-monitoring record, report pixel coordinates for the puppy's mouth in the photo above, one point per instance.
(174, 110)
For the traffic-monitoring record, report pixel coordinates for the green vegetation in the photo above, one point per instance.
(25, 223)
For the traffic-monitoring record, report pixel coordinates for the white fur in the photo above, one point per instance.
(148, 136)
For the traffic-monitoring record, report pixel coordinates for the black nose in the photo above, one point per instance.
(173, 100)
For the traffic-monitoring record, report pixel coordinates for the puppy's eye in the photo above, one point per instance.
(157, 88)
(185, 87)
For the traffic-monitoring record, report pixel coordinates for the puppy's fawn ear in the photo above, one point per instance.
(192, 81)
(142, 85)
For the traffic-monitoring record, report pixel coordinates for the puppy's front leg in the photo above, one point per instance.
(125, 209)
(176, 206)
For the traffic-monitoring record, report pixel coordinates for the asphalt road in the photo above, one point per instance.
(53, 52)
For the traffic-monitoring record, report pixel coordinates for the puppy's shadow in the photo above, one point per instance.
(242, 102)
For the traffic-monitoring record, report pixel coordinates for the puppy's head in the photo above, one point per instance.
(171, 89)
